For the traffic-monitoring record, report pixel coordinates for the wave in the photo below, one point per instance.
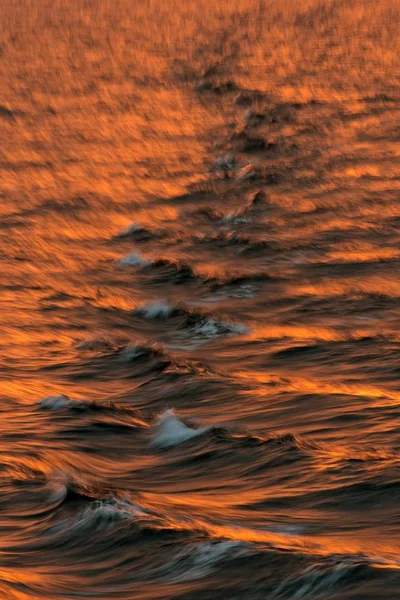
(60, 402)
(188, 558)
(8, 113)
(94, 344)
(281, 113)
(248, 97)
(259, 199)
(202, 559)
(134, 350)
(157, 310)
(247, 213)
(222, 239)
(319, 580)
(170, 270)
(211, 327)
(163, 270)
(194, 322)
(247, 283)
(135, 259)
(226, 163)
(373, 493)
(243, 243)
(225, 539)
(246, 173)
(217, 87)
(38, 490)
(227, 166)
(109, 362)
(208, 213)
(137, 231)
(240, 215)
(105, 511)
(171, 431)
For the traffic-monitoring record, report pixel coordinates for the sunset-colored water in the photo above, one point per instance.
(200, 300)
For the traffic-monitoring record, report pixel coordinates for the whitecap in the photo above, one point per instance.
(225, 162)
(134, 260)
(156, 310)
(317, 580)
(101, 513)
(171, 431)
(57, 402)
(238, 216)
(200, 560)
(212, 328)
(114, 508)
(135, 350)
(199, 329)
(132, 228)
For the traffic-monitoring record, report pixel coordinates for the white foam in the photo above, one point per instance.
(213, 551)
(101, 513)
(247, 115)
(132, 228)
(212, 328)
(237, 216)
(317, 580)
(115, 508)
(208, 328)
(246, 290)
(134, 350)
(57, 402)
(134, 260)
(201, 560)
(225, 162)
(289, 530)
(203, 330)
(156, 310)
(171, 431)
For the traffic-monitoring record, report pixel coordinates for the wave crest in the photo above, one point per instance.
(170, 430)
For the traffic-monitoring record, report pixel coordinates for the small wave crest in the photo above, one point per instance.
(212, 328)
(163, 270)
(98, 514)
(59, 402)
(170, 430)
(156, 310)
(134, 260)
(55, 403)
(136, 350)
(195, 327)
(201, 560)
(135, 230)
(171, 270)
(113, 508)
(322, 579)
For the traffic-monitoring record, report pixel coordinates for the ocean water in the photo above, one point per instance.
(200, 300)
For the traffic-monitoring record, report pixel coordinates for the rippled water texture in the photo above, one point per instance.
(199, 288)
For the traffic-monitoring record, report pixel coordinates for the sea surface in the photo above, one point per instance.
(200, 300)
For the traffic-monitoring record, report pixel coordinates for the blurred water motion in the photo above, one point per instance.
(199, 300)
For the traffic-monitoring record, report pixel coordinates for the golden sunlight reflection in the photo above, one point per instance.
(199, 299)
